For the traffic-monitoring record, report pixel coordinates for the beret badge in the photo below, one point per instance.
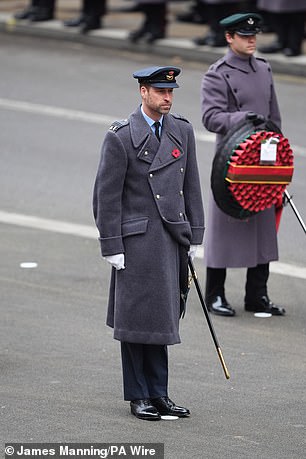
(170, 75)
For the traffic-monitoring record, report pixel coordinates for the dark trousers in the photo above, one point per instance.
(155, 17)
(216, 12)
(94, 8)
(289, 28)
(44, 3)
(255, 287)
(145, 370)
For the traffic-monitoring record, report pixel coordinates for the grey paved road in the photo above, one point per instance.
(60, 376)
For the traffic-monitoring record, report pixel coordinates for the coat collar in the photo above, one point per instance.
(246, 65)
(140, 130)
(150, 150)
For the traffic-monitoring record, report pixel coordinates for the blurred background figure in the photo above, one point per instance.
(155, 21)
(215, 10)
(195, 14)
(288, 19)
(90, 17)
(38, 10)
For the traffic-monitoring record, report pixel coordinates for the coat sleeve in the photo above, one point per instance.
(107, 195)
(192, 192)
(216, 116)
(274, 108)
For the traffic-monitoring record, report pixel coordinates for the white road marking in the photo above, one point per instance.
(56, 226)
(58, 112)
(95, 118)
(90, 232)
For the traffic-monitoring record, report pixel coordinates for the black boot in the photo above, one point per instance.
(44, 11)
(272, 48)
(215, 12)
(42, 14)
(158, 23)
(256, 292)
(211, 39)
(93, 11)
(137, 34)
(215, 293)
(76, 22)
(28, 12)
(295, 34)
(79, 20)
(264, 304)
(154, 25)
(196, 15)
(91, 23)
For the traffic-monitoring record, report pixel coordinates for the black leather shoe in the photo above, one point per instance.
(42, 14)
(275, 47)
(90, 24)
(194, 17)
(165, 406)
(27, 13)
(265, 305)
(220, 307)
(148, 36)
(151, 37)
(76, 22)
(136, 35)
(291, 52)
(143, 409)
(210, 40)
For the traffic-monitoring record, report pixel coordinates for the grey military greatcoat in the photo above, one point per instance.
(282, 6)
(147, 203)
(231, 88)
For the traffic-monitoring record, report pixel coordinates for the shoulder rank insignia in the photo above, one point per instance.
(179, 117)
(118, 124)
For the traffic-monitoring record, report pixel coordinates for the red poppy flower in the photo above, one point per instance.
(176, 153)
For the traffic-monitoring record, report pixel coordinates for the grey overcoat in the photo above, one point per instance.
(147, 203)
(282, 6)
(218, 2)
(231, 88)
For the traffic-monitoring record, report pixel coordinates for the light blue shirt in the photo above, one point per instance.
(151, 122)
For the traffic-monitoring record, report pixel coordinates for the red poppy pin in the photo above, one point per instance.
(176, 153)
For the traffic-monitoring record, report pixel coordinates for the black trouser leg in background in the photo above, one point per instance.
(215, 280)
(154, 25)
(256, 283)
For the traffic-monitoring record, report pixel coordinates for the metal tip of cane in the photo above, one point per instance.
(227, 375)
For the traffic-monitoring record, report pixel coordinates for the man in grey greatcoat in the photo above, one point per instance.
(149, 213)
(236, 87)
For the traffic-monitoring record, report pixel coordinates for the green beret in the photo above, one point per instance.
(243, 23)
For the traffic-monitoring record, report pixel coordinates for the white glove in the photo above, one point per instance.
(192, 251)
(117, 261)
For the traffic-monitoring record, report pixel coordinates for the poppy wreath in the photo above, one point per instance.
(241, 185)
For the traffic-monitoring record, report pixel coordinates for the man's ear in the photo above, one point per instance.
(143, 90)
(228, 37)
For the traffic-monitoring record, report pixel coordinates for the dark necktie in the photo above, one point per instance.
(156, 126)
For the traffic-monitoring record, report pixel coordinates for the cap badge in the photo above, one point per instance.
(169, 77)
(250, 21)
(176, 153)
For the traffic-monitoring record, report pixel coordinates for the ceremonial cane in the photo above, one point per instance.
(210, 325)
(289, 199)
